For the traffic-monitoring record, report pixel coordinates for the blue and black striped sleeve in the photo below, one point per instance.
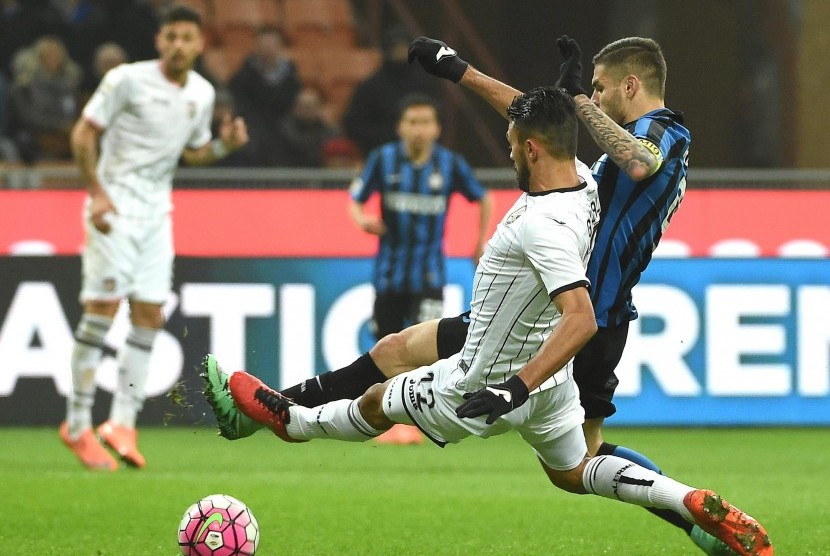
(369, 180)
(651, 133)
(464, 181)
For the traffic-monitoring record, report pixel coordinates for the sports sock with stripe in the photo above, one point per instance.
(619, 479)
(346, 383)
(627, 453)
(340, 420)
(86, 355)
(133, 368)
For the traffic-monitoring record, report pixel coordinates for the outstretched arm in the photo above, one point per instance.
(497, 94)
(442, 61)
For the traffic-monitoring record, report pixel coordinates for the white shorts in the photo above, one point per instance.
(135, 260)
(550, 421)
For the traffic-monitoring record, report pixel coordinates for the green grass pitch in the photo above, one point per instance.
(475, 498)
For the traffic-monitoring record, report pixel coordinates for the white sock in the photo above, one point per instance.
(619, 479)
(133, 368)
(340, 420)
(86, 355)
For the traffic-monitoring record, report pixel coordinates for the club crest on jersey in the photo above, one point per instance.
(436, 181)
(515, 215)
(109, 284)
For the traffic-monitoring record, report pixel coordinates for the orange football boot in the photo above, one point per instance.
(122, 440)
(740, 531)
(87, 448)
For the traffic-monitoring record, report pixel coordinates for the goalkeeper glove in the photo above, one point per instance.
(494, 401)
(570, 72)
(437, 58)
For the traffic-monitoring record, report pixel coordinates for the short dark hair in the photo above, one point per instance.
(180, 12)
(418, 99)
(636, 56)
(548, 114)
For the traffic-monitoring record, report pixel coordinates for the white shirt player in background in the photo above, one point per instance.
(146, 116)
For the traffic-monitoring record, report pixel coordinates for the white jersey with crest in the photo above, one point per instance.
(148, 121)
(539, 250)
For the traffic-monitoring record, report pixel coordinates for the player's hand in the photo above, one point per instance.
(101, 211)
(437, 58)
(570, 72)
(373, 226)
(233, 133)
(494, 401)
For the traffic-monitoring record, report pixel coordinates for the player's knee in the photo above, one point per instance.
(389, 352)
(102, 308)
(146, 315)
(569, 480)
(371, 407)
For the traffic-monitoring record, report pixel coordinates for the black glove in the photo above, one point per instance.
(437, 58)
(494, 401)
(570, 72)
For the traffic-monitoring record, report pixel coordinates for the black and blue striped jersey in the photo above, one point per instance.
(414, 201)
(635, 214)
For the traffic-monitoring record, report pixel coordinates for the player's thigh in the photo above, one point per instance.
(406, 350)
(108, 261)
(594, 370)
(427, 397)
(551, 422)
(153, 275)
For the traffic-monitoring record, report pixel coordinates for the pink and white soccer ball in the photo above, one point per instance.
(218, 525)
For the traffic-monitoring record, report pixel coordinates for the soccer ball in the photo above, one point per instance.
(218, 525)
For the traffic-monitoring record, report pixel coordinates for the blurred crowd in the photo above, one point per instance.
(53, 54)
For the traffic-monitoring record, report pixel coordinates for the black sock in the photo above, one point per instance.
(606, 449)
(347, 383)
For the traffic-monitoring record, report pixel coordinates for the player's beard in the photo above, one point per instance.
(613, 107)
(522, 174)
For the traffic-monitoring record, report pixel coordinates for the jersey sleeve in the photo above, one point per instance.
(201, 133)
(651, 133)
(552, 248)
(464, 181)
(110, 98)
(369, 180)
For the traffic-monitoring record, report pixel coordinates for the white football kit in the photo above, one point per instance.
(148, 121)
(539, 250)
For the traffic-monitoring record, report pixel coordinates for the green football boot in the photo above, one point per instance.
(233, 425)
(709, 544)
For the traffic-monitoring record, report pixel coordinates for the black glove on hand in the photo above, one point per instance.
(437, 58)
(570, 72)
(494, 401)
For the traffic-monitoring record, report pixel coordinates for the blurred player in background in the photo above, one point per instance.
(415, 177)
(146, 115)
(531, 313)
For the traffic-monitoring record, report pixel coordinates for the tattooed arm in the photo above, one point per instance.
(623, 148)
